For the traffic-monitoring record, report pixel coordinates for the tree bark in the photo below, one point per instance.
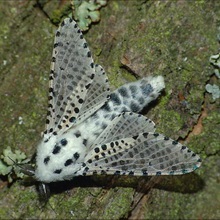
(133, 39)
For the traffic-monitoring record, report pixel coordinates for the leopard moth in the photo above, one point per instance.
(90, 130)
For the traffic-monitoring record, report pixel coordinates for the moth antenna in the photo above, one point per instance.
(26, 169)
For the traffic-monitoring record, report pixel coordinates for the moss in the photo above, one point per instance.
(56, 10)
(208, 141)
(118, 205)
(20, 197)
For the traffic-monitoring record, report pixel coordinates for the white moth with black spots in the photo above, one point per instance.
(90, 130)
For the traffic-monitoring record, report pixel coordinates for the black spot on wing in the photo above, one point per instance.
(104, 147)
(97, 150)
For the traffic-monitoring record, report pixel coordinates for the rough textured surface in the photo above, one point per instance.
(134, 38)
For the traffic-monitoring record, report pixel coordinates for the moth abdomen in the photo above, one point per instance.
(133, 97)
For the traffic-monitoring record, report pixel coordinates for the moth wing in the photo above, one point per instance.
(97, 94)
(72, 74)
(125, 125)
(146, 154)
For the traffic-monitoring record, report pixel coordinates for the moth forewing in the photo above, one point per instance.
(72, 72)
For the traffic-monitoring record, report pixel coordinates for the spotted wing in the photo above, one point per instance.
(73, 76)
(145, 153)
(97, 94)
(124, 125)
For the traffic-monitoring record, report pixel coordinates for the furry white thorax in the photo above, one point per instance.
(45, 173)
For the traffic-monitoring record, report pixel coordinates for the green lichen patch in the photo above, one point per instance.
(9, 163)
(86, 12)
(214, 90)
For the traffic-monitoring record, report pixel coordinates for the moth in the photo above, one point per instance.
(91, 130)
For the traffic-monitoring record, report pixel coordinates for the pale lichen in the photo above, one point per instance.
(215, 61)
(87, 12)
(214, 90)
(9, 161)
